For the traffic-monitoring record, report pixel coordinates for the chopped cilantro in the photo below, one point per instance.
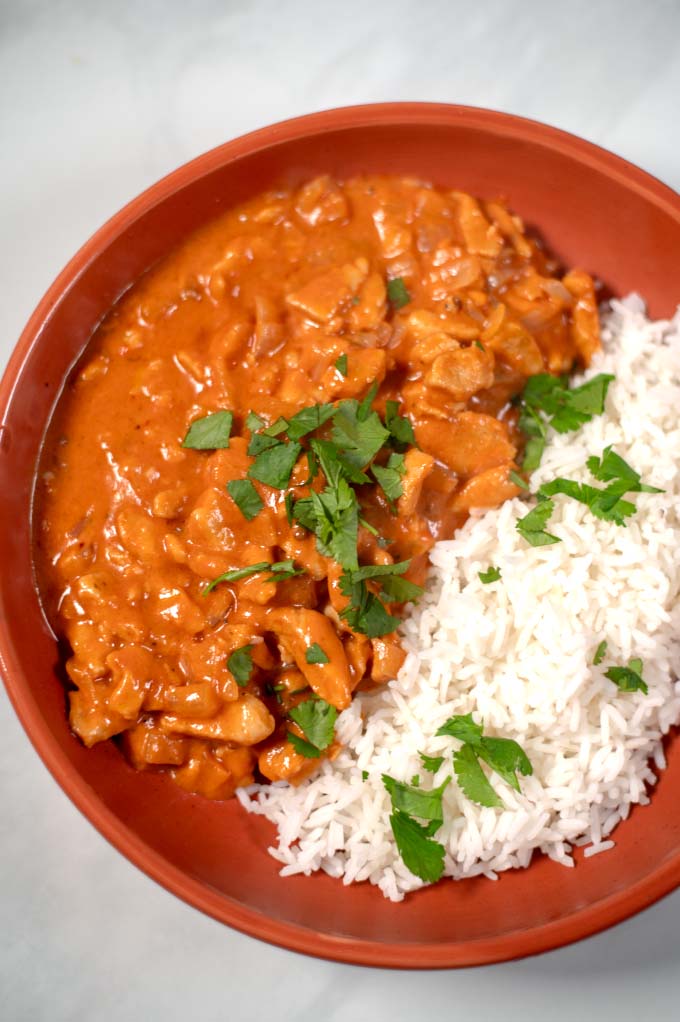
(274, 466)
(280, 571)
(288, 501)
(364, 775)
(628, 679)
(532, 526)
(399, 426)
(389, 476)
(490, 575)
(426, 805)
(515, 478)
(259, 442)
(254, 422)
(303, 747)
(421, 854)
(315, 654)
(316, 719)
(246, 497)
(341, 365)
(240, 663)
(565, 409)
(606, 504)
(504, 755)
(478, 344)
(611, 467)
(276, 428)
(209, 433)
(431, 763)
(365, 612)
(309, 419)
(358, 431)
(397, 292)
(600, 652)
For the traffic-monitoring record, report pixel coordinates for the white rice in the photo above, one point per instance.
(519, 654)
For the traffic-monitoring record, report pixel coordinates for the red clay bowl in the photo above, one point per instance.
(594, 210)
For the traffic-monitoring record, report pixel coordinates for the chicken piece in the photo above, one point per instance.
(487, 489)
(388, 657)
(471, 444)
(321, 201)
(323, 296)
(481, 237)
(417, 467)
(462, 373)
(297, 629)
(246, 721)
(517, 348)
(145, 745)
(585, 324)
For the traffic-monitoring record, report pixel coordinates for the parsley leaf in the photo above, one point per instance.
(240, 663)
(341, 365)
(316, 719)
(399, 426)
(462, 727)
(566, 409)
(303, 747)
(274, 466)
(246, 497)
(315, 654)
(472, 780)
(309, 419)
(431, 763)
(389, 477)
(600, 652)
(421, 854)
(209, 433)
(488, 576)
(506, 757)
(397, 292)
(532, 526)
(628, 679)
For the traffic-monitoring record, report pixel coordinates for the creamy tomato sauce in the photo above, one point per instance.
(303, 298)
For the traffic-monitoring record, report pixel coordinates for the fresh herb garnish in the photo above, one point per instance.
(504, 755)
(611, 468)
(341, 365)
(246, 497)
(628, 679)
(316, 719)
(303, 747)
(548, 401)
(254, 422)
(515, 478)
(260, 442)
(422, 855)
(308, 419)
(399, 426)
(389, 477)
(431, 763)
(600, 652)
(532, 526)
(210, 433)
(274, 466)
(358, 431)
(490, 575)
(280, 571)
(240, 663)
(315, 654)
(397, 292)
(276, 428)
(365, 612)
(364, 775)
(288, 502)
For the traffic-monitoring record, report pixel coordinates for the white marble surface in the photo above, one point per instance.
(97, 100)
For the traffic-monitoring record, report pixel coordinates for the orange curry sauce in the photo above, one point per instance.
(255, 313)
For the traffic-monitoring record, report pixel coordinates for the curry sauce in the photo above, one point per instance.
(422, 310)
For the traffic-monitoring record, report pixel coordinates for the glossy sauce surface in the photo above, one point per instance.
(253, 314)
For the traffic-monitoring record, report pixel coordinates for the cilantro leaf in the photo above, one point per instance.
(566, 409)
(421, 854)
(462, 727)
(600, 652)
(276, 428)
(389, 476)
(336, 523)
(210, 433)
(288, 501)
(393, 587)
(628, 679)
(309, 419)
(606, 504)
(246, 497)
(315, 654)
(240, 663)
(259, 442)
(431, 763)
(611, 466)
(472, 780)
(515, 478)
(397, 292)
(359, 436)
(506, 757)
(280, 571)
(303, 747)
(532, 526)
(274, 466)
(488, 576)
(254, 422)
(341, 365)
(415, 801)
(365, 613)
(399, 426)
(316, 719)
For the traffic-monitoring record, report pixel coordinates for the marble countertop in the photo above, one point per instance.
(98, 100)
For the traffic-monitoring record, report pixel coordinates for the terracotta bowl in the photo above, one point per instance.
(593, 210)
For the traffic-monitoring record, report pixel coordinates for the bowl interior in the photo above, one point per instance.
(592, 211)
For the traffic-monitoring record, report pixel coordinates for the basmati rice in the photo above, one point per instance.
(518, 654)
